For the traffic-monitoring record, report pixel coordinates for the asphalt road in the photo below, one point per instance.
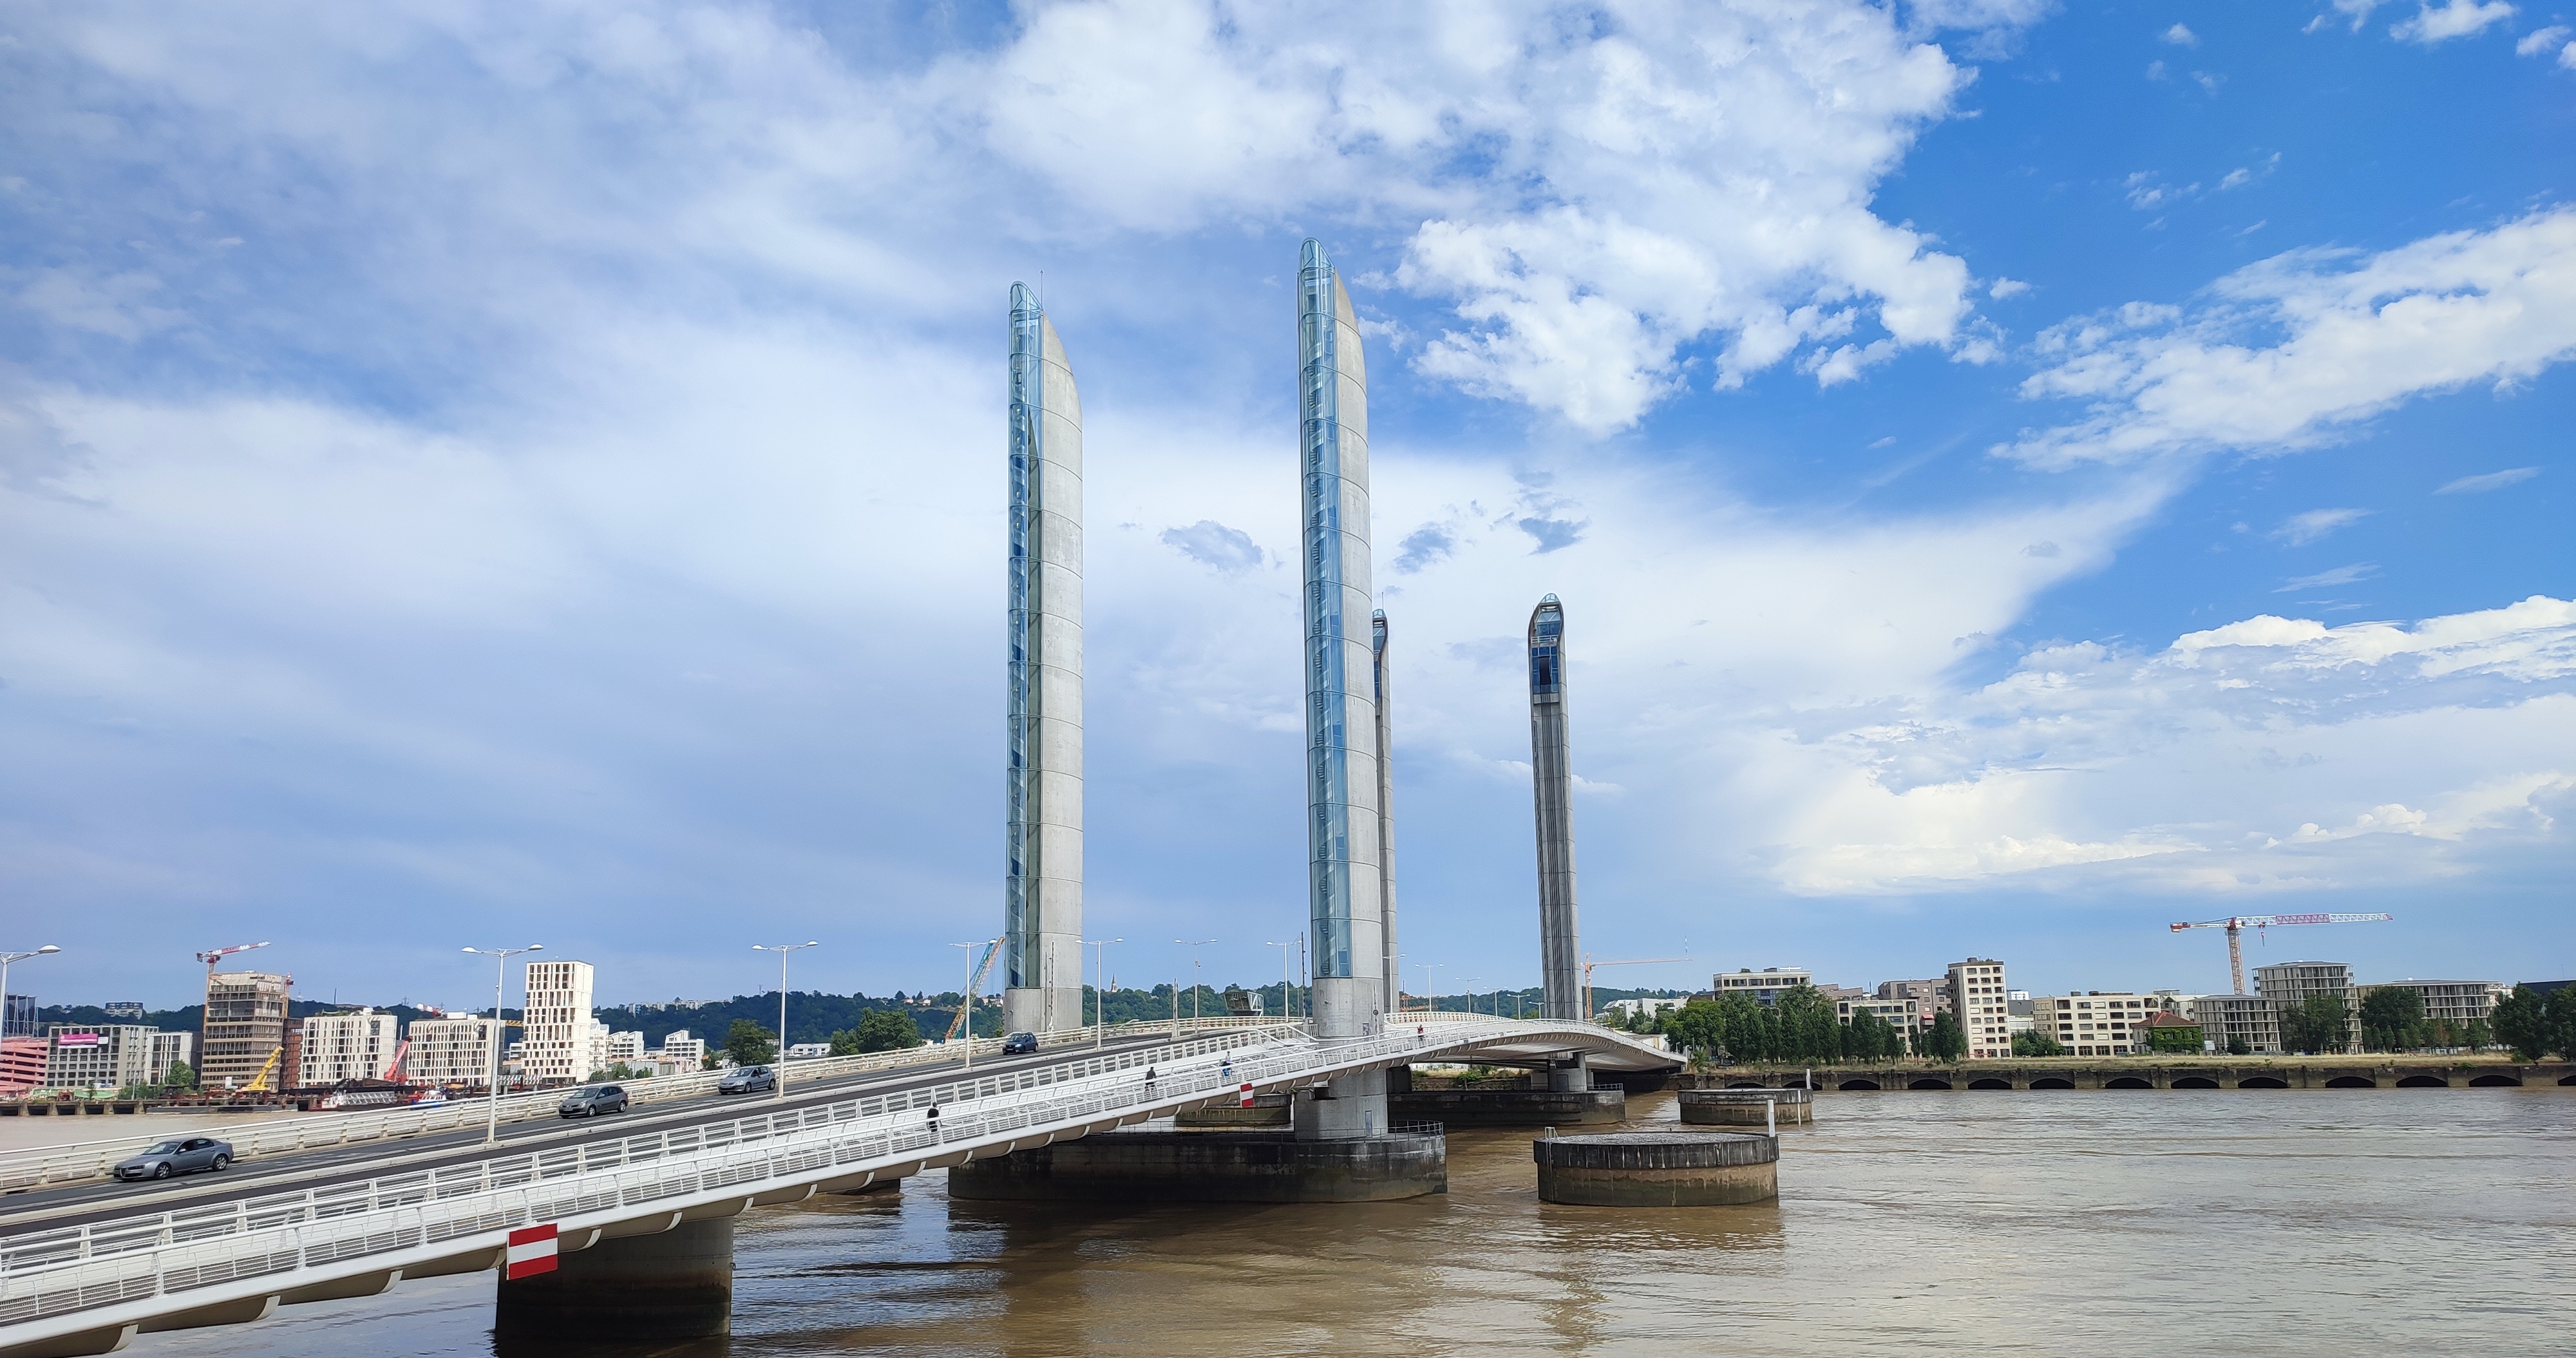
(328, 1166)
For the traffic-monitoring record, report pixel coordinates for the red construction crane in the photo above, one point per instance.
(2233, 924)
(219, 954)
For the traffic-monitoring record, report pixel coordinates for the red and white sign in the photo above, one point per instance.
(75, 1039)
(532, 1251)
(1247, 1096)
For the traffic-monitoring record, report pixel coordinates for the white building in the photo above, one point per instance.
(1907, 1016)
(683, 1051)
(2253, 1020)
(807, 1051)
(170, 1049)
(563, 1043)
(1649, 1005)
(1763, 986)
(626, 1047)
(2457, 1003)
(1977, 996)
(352, 1046)
(2097, 1022)
(450, 1051)
(97, 1056)
(2289, 984)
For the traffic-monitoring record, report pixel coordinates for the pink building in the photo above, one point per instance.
(22, 1065)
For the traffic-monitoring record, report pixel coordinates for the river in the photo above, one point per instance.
(2159, 1224)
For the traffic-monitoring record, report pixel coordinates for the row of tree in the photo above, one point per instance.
(1800, 1026)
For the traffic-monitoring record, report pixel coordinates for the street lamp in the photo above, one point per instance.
(500, 979)
(1100, 989)
(1470, 983)
(1430, 1001)
(1194, 945)
(5, 959)
(966, 1006)
(779, 1085)
(1287, 979)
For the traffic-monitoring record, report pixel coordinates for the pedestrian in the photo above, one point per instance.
(1229, 1070)
(1149, 1079)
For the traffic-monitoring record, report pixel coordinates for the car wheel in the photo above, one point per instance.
(161, 1171)
(219, 1163)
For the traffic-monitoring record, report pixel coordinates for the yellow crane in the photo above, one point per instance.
(1589, 964)
(259, 1083)
(965, 1007)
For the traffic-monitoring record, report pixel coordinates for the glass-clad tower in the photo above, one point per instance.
(1552, 774)
(1392, 976)
(1042, 887)
(1341, 704)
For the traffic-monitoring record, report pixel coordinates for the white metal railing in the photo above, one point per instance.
(82, 1161)
(70, 1269)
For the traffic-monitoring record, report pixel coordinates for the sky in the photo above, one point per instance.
(2018, 474)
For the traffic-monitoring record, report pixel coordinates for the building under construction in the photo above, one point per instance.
(245, 1026)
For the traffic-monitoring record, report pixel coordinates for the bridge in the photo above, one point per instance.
(364, 1203)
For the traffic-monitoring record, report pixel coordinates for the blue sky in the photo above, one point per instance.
(2018, 475)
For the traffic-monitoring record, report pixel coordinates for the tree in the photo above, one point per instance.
(879, 1030)
(749, 1044)
(180, 1076)
(1808, 1029)
(2317, 1024)
(2521, 1022)
(2392, 1018)
(2174, 1041)
(2237, 1046)
(2558, 1021)
(1948, 1042)
(1695, 1029)
(2037, 1044)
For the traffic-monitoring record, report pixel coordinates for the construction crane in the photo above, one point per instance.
(1589, 964)
(219, 954)
(966, 1007)
(2236, 924)
(259, 1083)
(393, 1068)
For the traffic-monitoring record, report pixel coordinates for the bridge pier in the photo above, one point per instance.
(674, 1284)
(1179, 1166)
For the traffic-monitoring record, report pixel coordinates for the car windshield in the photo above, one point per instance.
(165, 1148)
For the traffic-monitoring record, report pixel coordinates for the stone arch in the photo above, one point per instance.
(2052, 1082)
(1989, 1082)
(2262, 1082)
(2128, 1082)
(1927, 1082)
(1857, 1084)
(2352, 1082)
(2194, 1082)
(2423, 1082)
(2492, 1081)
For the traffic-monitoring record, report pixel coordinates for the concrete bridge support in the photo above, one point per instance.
(675, 1284)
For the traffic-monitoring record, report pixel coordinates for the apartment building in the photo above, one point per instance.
(22, 1064)
(1934, 990)
(2253, 1020)
(2096, 1022)
(2457, 1003)
(1649, 1005)
(683, 1051)
(1905, 1016)
(170, 1049)
(626, 1047)
(1977, 996)
(450, 1051)
(351, 1046)
(103, 1056)
(2289, 984)
(562, 1044)
(1763, 987)
(245, 1025)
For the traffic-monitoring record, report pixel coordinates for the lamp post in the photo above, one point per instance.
(500, 1030)
(5, 959)
(1430, 1002)
(1194, 945)
(1100, 990)
(1287, 979)
(778, 1087)
(1470, 983)
(966, 1006)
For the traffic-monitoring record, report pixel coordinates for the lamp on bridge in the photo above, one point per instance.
(779, 1085)
(500, 983)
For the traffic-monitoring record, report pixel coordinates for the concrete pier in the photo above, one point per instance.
(677, 1284)
(1177, 1166)
(1658, 1169)
(1513, 1107)
(1748, 1107)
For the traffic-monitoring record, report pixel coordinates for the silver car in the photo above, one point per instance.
(185, 1155)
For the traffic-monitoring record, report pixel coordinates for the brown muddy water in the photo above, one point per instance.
(2155, 1222)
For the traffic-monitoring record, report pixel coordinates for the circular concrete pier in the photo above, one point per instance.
(674, 1285)
(1658, 1169)
(1744, 1107)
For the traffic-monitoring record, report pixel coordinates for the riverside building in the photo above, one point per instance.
(1764, 986)
(2289, 984)
(2097, 1022)
(351, 1046)
(245, 1026)
(2253, 1021)
(101, 1056)
(1977, 996)
(563, 1043)
(448, 1051)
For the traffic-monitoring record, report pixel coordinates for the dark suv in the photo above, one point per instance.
(1019, 1044)
(591, 1102)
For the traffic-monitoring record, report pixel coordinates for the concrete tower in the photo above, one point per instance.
(1042, 889)
(1388, 971)
(1344, 888)
(1552, 771)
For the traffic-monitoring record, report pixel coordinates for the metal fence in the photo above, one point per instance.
(75, 1269)
(82, 1161)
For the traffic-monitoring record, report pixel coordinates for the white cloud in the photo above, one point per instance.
(2301, 529)
(2540, 40)
(2471, 485)
(2457, 19)
(2005, 288)
(2194, 769)
(2180, 36)
(2340, 575)
(2361, 333)
(2247, 174)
